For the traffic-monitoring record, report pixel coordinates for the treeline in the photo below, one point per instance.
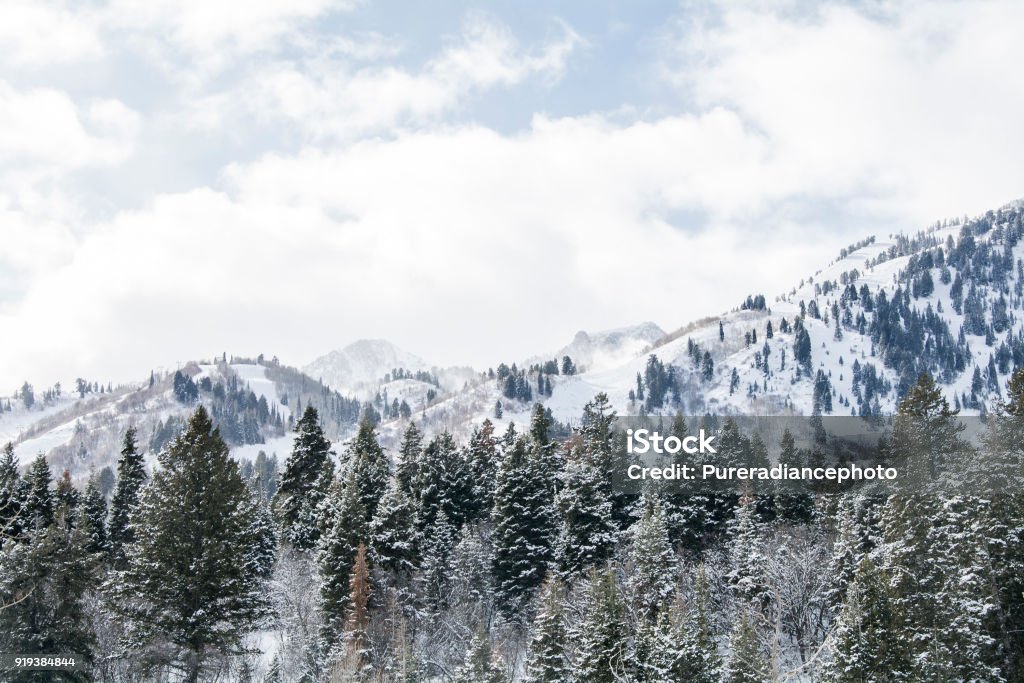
(513, 557)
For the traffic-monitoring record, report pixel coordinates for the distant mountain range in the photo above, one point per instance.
(845, 340)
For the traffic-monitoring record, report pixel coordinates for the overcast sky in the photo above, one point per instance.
(474, 183)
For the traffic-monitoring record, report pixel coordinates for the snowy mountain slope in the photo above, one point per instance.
(362, 363)
(946, 300)
(593, 351)
(861, 368)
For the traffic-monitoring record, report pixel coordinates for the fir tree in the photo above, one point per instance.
(652, 581)
(482, 459)
(94, 510)
(188, 583)
(444, 483)
(131, 477)
(868, 640)
(747, 560)
(345, 529)
(407, 472)
(587, 535)
(546, 661)
(522, 548)
(302, 488)
(696, 657)
(393, 532)
(11, 494)
(480, 665)
(601, 653)
(370, 467)
(43, 583)
(747, 660)
(40, 502)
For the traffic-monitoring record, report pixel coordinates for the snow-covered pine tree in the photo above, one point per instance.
(444, 483)
(393, 533)
(480, 665)
(747, 661)
(435, 577)
(602, 641)
(747, 560)
(1004, 521)
(40, 502)
(353, 661)
(370, 467)
(522, 548)
(868, 640)
(344, 530)
(43, 581)
(11, 494)
(482, 461)
(695, 648)
(188, 590)
(302, 487)
(587, 535)
(131, 477)
(407, 469)
(652, 581)
(546, 660)
(94, 510)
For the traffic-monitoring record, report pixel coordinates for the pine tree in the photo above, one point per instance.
(747, 560)
(40, 502)
(696, 659)
(131, 477)
(43, 581)
(926, 433)
(588, 534)
(188, 583)
(435, 577)
(601, 637)
(307, 473)
(95, 511)
(868, 642)
(370, 467)
(356, 659)
(444, 483)
(346, 528)
(546, 661)
(652, 582)
(393, 532)
(747, 660)
(11, 494)
(522, 547)
(1004, 521)
(480, 665)
(407, 471)
(482, 460)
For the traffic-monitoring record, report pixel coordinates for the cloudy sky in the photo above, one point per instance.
(474, 182)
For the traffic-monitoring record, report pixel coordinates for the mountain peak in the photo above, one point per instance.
(362, 362)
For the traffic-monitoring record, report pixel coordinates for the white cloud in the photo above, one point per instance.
(914, 110)
(199, 38)
(45, 128)
(507, 244)
(330, 99)
(36, 33)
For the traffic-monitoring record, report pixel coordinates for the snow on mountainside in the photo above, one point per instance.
(846, 340)
(592, 351)
(362, 363)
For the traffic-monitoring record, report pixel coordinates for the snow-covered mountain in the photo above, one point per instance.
(595, 351)
(362, 363)
(847, 339)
